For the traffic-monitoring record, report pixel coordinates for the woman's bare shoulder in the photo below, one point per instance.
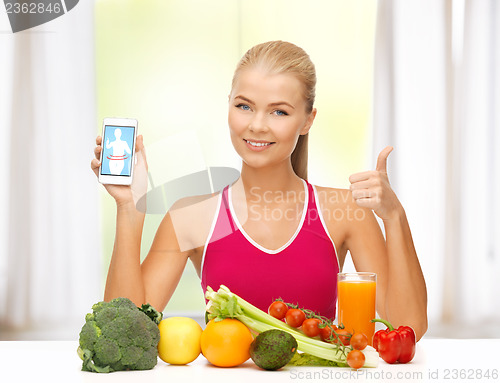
(192, 218)
(329, 197)
(338, 206)
(197, 202)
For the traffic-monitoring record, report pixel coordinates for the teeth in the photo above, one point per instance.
(259, 143)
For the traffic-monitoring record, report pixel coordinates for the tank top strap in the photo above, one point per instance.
(312, 217)
(225, 209)
(223, 224)
(311, 203)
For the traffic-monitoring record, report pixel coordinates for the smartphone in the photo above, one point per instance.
(118, 151)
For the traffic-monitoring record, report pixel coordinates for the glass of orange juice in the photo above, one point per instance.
(356, 302)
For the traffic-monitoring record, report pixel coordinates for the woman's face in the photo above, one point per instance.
(267, 113)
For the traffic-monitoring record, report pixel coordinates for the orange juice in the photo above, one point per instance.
(356, 302)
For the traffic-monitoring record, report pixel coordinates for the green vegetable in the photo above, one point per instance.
(225, 304)
(118, 336)
(272, 349)
(303, 359)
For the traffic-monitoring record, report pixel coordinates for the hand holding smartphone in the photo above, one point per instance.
(118, 151)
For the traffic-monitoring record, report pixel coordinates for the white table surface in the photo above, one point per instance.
(444, 360)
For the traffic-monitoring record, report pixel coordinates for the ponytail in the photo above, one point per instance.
(299, 156)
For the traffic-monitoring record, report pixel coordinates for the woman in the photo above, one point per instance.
(271, 233)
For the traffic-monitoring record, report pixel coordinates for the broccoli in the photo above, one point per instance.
(118, 336)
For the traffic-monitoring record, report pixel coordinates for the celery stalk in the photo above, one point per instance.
(225, 304)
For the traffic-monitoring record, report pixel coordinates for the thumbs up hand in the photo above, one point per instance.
(371, 189)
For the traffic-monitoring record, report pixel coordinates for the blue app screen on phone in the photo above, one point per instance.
(117, 144)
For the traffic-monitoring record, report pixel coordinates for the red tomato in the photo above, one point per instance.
(359, 341)
(310, 327)
(355, 359)
(325, 333)
(295, 317)
(278, 309)
(344, 336)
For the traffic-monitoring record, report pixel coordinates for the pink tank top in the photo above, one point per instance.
(302, 271)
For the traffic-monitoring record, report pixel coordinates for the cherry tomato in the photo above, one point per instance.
(355, 359)
(295, 317)
(310, 327)
(278, 309)
(359, 341)
(325, 333)
(344, 336)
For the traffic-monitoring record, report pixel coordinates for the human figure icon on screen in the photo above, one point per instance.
(117, 159)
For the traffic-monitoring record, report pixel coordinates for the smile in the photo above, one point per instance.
(258, 144)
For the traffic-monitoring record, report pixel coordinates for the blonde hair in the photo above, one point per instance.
(281, 57)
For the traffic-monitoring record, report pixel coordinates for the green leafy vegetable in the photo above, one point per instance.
(118, 335)
(225, 304)
(303, 359)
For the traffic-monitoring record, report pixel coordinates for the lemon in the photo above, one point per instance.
(179, 340)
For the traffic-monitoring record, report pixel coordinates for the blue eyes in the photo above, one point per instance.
(243, 107)
(276, 112)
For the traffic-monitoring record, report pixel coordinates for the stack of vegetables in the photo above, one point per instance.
(117, 336)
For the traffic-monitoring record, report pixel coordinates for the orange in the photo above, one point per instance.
(226, 343)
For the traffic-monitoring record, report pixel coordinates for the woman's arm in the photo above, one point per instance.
(401, 279)
(406, 297)
(155, 280)
(163, 267)
(401, 291)
(180, 236)
(124, 275)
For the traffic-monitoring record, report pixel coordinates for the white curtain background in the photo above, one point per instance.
(50, 268)
(437, 101)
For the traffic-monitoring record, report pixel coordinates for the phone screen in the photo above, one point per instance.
(118, 146)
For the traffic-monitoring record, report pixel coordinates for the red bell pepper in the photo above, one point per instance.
(395, 345)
